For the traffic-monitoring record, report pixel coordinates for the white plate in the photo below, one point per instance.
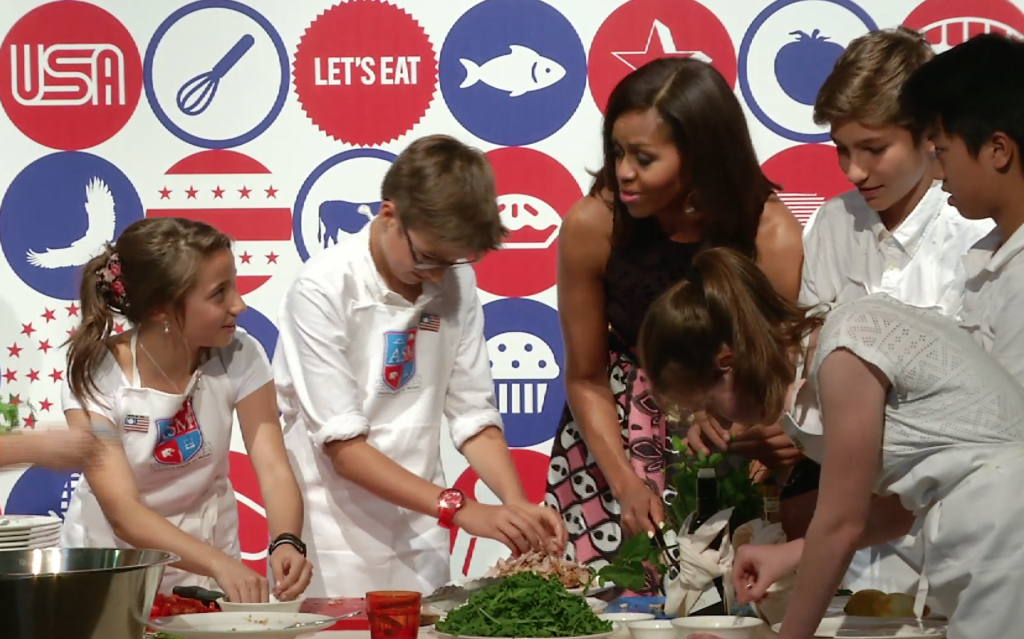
(11, 523)
(445, 636)
(265, 625)
(878, 628)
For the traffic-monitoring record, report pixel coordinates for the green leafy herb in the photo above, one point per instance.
(9, 418)
(524, 605)
(627, 571)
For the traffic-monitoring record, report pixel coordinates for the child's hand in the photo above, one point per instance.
(520, 526)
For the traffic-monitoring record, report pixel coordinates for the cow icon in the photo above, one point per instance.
(339, 216)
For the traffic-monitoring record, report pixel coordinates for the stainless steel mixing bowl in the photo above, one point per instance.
(78, 593)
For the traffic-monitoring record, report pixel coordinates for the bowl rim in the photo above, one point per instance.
(164, 561)
(657, 624)
(748, 622)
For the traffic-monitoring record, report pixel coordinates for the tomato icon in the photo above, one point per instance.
(802, 65)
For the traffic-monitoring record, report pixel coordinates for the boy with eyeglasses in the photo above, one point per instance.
(381, 336)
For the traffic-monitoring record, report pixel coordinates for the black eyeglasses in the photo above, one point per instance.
(421, 264)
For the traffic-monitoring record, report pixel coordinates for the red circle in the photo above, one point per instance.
(253, 532)
(104, 62)
(534, 192)
(929, 15)
(533, 473)
(365, 72)
(643, 30)
(809, 175)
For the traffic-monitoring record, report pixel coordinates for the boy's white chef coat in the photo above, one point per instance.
(849, 254)
(355, 358)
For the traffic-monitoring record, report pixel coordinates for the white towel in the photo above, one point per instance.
(758, 532)
(698, 564)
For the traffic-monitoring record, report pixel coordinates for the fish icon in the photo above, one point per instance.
(518, 72)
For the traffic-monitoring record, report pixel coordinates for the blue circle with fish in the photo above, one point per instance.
(343, 203)
(84, 200)
(512, 72)
(785, 56)
(221, 57)
(260, 327)
(524, 343)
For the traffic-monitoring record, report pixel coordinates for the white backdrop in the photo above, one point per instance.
(110, 116)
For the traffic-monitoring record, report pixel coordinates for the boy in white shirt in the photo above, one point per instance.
(893, 234)
(972, 97)
(381, 336)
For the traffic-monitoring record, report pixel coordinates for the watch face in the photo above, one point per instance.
(451, 498)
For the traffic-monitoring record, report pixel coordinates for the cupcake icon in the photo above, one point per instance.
(523, 366)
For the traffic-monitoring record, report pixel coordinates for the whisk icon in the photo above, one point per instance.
(195, 96)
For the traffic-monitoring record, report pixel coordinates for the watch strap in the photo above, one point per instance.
(291, 540)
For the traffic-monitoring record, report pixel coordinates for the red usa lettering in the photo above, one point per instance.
(68, 75)
(386, 70)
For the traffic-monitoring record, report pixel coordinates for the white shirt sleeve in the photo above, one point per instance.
(313, 346)
(248, 366)
(1007, 323)
(469, 403)
(109, 379)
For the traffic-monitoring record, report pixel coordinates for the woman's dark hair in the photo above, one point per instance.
(722, 177)
(152, 266)
(726, 301)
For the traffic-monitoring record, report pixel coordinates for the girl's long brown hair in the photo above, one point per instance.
(725, 302)
(160, 260)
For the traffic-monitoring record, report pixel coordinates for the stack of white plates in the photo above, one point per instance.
(28, 532)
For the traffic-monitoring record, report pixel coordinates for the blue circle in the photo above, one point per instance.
(516, 315)
(282, 55)
(307, 186)
(744, 80)
(46, 210)
(507, 42)
(40, 491)
(257, 325)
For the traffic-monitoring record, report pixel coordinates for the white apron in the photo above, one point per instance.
(357, 541)
(180, 464)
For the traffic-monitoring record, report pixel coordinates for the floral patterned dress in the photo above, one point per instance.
(634, 277)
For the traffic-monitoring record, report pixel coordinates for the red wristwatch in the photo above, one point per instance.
(449, 503)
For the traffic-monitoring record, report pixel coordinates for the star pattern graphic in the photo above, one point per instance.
(32, 361)
(660, 44)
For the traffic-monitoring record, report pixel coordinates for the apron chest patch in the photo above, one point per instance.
(180, 439)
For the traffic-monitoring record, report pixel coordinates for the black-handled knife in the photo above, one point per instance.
(195, 592)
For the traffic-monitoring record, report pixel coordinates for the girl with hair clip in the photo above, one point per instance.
(680, 173)
(913, 423)
(169, 388)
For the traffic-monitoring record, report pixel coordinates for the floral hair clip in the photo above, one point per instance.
(110, 284)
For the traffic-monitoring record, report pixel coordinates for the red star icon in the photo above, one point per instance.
(191, 192)
(10, 376)
(72, 310)
(272, 258)
(664, 48)
(30, 422)
(45, 346)
(45, 405)
(48, 315)
(14, 350)
(245, 257)
(33, 375)
(244, 192)
(14, 400)
(118, 328)
(71, 332)
(26, 329)
(165, 193)
(56, 375)
(218, 193)
(271, 192)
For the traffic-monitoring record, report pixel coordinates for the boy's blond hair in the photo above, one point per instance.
(441, 186)
(865, 83)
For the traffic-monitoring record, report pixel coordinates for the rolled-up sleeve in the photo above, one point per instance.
(469, 403)
(314, 348)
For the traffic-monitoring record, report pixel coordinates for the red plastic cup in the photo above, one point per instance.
(393, 614)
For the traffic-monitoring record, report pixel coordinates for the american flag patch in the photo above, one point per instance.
(430, 322)
(137, 423)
